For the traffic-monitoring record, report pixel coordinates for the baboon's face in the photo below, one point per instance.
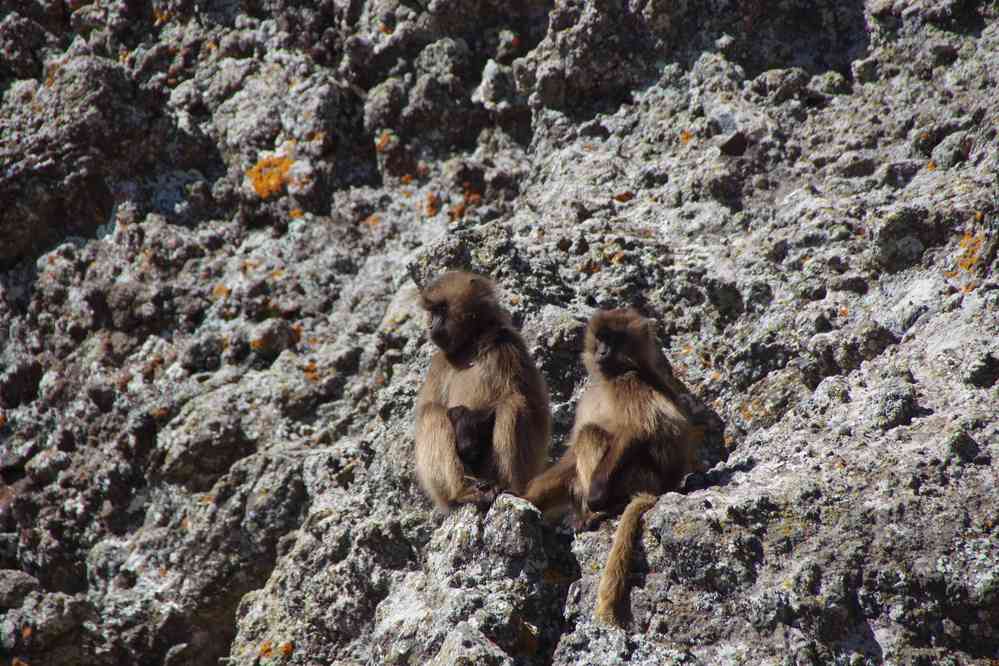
(617, 341)
(459, 306)
(437, 324)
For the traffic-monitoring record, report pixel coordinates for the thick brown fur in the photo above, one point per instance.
(483, 365)
(631, 439)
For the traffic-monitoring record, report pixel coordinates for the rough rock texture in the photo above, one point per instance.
(210, 344)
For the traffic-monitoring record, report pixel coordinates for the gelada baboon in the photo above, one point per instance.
(473, 435)
(483, 365)
(631, 441)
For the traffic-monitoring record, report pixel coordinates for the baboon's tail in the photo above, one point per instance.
(615, 577)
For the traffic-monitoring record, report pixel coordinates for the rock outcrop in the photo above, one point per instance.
(210, 345)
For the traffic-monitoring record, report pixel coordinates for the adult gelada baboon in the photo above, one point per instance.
(482, 364)
(631, 441)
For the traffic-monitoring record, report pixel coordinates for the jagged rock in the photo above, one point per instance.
(211, 340)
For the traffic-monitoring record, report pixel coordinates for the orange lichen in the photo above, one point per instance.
(159, 413)
(270, 175)
(470, 198)
(296, 333)
(931, 166)
(161, 16)
(18, 662)
(617, 258)
(471, 195)
(515, 300)
(206, 499)
(624, 197)
(266, 649)
(433, 204)
(277, 273)
(256, 344)
(371, 220)
(686, 136)
(311, 371)
(26, 632)
(295, 213)
(406, 179)
(3, 420)
(220, 291)
(149, 370)
(971, 247)
(384, 29)
(383, 141)
(287, 648)
(844, 311)
(248, 264)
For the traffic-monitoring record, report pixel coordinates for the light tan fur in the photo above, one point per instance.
(482, 364)
(631, 439)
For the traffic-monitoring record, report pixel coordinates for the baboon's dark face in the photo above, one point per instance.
(612, 353)
(437, 325)
(617, 342)
(460, 307)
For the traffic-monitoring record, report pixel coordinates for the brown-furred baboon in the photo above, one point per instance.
(631, 441)
(482, 364)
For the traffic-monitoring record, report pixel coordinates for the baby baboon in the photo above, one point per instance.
(630, 442)
(473, 435)
(483, 365)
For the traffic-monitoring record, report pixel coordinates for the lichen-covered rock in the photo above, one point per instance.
(211, 341)
(68, 139)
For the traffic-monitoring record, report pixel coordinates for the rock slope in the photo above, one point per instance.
(210, 344)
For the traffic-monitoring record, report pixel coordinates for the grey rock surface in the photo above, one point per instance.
(210, 343)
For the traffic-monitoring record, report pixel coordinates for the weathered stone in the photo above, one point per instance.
(211, 342)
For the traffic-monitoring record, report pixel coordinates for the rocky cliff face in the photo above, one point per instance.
(210, 347)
